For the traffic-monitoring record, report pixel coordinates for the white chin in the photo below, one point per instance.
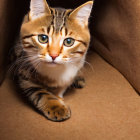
(51, 64)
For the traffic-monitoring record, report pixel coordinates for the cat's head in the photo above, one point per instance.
(54, 35)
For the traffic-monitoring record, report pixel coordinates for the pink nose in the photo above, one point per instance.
(54, 56)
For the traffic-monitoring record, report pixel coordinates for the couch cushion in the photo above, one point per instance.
(117, 36)
(108, 108)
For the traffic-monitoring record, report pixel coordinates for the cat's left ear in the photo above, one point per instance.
(82, 13)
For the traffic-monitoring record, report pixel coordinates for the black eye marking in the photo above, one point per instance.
(43, 38)
(68, 42)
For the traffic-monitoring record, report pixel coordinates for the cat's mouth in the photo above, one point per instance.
(51, 64)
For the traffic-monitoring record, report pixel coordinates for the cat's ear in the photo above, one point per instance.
(82, 13)
(38, 8)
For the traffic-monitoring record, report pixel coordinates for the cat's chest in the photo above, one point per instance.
(59, 76)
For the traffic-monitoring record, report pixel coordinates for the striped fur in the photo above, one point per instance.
(46, 70)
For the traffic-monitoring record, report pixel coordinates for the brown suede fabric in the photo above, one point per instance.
(117, 36)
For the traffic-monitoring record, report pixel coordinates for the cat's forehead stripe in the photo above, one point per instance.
(59, 16)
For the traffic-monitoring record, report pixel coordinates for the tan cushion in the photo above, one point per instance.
(117, 36)
(106, 109)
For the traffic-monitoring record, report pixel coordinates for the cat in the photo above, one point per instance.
(50, 52)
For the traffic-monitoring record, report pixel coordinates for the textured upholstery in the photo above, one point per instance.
(117, 36)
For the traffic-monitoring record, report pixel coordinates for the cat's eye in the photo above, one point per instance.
(68, 42)
(43, 38)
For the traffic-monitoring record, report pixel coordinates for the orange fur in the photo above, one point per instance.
(51, 51)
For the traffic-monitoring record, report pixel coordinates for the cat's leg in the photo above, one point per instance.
(79, 82)
(60, 92)
(50, 105)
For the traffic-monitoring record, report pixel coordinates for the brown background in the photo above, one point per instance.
(117, 36)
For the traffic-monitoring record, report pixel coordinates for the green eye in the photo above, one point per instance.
(43, 39)
(68, 42)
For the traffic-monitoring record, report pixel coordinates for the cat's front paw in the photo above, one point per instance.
(79, 82)
(57, 112)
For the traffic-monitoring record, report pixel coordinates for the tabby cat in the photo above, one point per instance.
(50, 51)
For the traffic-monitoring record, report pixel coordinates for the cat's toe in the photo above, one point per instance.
(58, 113)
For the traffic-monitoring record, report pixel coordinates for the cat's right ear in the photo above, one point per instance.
(38, 8)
